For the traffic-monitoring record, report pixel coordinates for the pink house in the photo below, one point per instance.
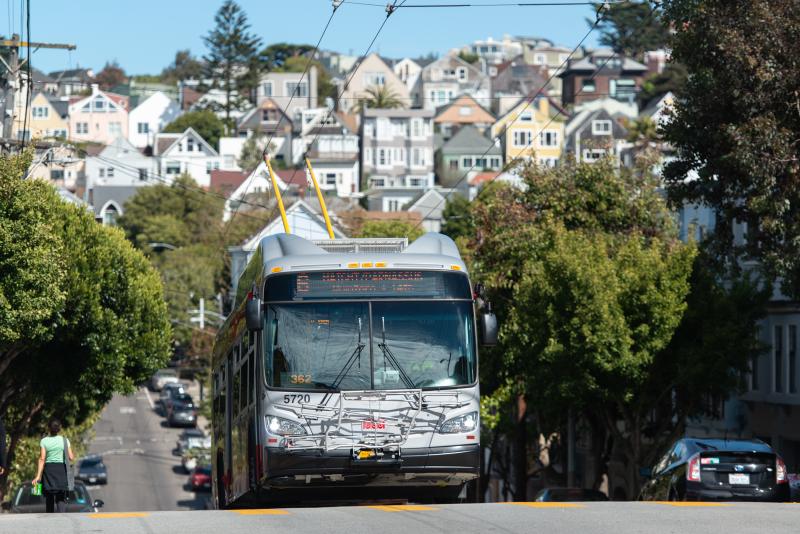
(100, 117)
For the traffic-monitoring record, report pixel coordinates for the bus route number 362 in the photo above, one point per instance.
(297, 399)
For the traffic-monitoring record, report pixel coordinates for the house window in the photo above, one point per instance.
(41, 112)
(143, 174)
(792, 358)
(522, 138)
(143, 128)
(368, 129)
(466, 162)
(601, 127)
(173, 167)
(548, 138)
(82, 128)
(416, 128)
(110, 172)
(101, 172)
(418, 157)
(495, 162)
(189, 145)
(115, 129)
(462, 74)
(588, 86)
(540, 59)
(399, 156)
(378, 182)
(777, 345)
(416, 181)
(57, 174)
(593, 154)
(375, 78)
(99, 105)
(110, 215)
(392, 205)
(453, 164)
(382, 159)
(297, 89)
(622, 89)
(480, 163)
(526, 116)
(266, 88)
(368, 157)
(330, 178)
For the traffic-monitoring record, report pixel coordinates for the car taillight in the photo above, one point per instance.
(693, 469)
(780, 471)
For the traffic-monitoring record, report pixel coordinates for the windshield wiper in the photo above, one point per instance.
(354, 357)
(387, 355)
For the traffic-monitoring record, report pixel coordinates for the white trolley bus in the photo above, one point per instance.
(344, 373)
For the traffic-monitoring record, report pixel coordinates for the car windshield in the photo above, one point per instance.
(91, 462)
(370, 345)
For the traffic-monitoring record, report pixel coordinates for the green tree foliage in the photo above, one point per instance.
(274, 56)
(469, 57)
(736, 126)
(184, 67)
(457, 218)
(604, 311)
(632, 28)
(391, 229)
(671, 80)
(102, 324)
(204, 122)
(253, 151)
(111, 76)
(231, 61)
(379, 97)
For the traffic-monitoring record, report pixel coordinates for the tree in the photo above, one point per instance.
(204, 122)
(184, 67)
(253, 151)
(736, 125)
(671, 80)
(632, 28)
(469, 57)
(231, 59)
(111, 76)
(105, 329)
(457, 218)
(379, 97)
(391, 229)
(275, 55)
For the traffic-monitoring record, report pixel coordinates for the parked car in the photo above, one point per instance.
(569, 495)
(92, 470)
(178, 401)
(170, 389)
(697, 469)
(78, 501)
(182, 415)
(192, 438)
(200, 479)
(163, 376)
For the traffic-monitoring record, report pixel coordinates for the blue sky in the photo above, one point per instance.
(143, 35)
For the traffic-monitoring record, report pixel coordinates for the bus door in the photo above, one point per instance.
(248, 400)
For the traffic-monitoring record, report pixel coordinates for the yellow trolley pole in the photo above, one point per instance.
(277, 194)
(321, 200)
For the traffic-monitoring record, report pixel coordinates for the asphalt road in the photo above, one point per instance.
(579, 518)
(143, 474)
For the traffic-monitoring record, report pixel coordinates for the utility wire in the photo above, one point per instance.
(486, 4)
(559, 111)
(286, 108)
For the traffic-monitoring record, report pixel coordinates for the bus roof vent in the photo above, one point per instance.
(380, 245)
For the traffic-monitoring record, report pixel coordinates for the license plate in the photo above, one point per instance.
(365, 454)
(738, 479)
(92, 480)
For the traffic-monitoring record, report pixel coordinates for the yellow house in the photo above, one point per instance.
(532, 130)
(46, 119)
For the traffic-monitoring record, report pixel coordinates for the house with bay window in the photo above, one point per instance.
(290, 91)
(532, 129)
(371, 72)
(100, 117)
(185, 153)
(600, 74)
(396, 156)
(331, 143)
(446, 79)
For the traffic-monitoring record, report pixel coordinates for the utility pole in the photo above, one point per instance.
(12, 77)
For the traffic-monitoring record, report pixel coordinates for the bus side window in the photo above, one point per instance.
(245, 384)
(235, 387)
(250, 374)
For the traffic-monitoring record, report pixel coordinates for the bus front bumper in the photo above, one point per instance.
(435, 466)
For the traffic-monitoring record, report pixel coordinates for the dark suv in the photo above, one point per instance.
(697, 469)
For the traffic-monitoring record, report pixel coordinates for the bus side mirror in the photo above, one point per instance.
(488, 328)
(253, 314)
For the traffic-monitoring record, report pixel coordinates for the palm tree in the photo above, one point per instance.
(379, 97)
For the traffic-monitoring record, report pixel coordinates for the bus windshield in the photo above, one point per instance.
(370, 345)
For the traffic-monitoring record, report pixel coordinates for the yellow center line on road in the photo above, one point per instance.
(115, 515)
(689, 504)
(402, 508)
(547, 504)
(260, 511)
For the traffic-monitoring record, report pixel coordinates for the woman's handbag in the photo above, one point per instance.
(70, 472)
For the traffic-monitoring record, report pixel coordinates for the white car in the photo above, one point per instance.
(164, 376)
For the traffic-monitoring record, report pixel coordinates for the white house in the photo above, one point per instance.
(149, 118)
(230, 149)
(331, 143)
(258, 182)
(119, 164)
(408, 71)
(188, 153)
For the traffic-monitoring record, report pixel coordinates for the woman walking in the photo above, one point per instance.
(53, 466)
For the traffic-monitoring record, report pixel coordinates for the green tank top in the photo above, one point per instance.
(54, 447)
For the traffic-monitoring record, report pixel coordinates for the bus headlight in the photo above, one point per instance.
(284, 427)
(465, 423)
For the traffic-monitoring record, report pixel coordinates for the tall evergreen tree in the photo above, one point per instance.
(231, 61)
(632, 28)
